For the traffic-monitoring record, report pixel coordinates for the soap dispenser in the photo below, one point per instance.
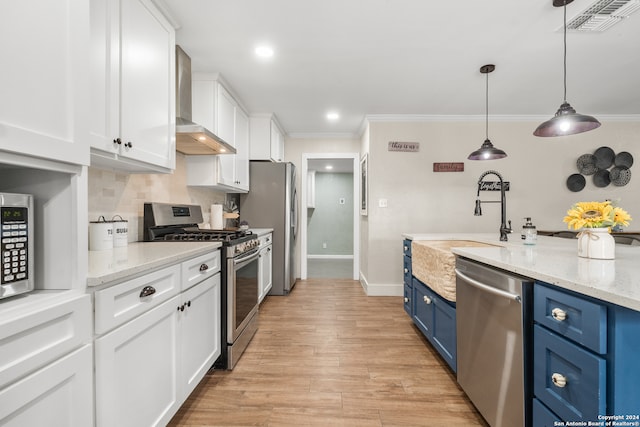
(529, 233)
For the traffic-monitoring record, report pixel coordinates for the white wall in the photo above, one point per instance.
(420, 200)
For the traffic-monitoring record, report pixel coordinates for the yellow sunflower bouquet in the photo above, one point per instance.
(596, 215)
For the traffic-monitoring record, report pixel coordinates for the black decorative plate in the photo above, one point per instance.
(620, 175)
(624, 159)
(604, 157)
(576, 182)
(601, 178)
(587, 164)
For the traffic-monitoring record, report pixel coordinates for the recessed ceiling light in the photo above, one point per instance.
(328, 167)
(264, 51)
(333, 116)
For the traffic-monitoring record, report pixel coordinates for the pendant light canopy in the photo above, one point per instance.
(487, 151)
(566, 121)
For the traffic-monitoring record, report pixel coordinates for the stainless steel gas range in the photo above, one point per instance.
(175, 222)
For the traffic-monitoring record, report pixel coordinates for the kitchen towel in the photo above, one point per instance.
(217, 220)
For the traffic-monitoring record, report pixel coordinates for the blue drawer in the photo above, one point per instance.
(406, 247)
(543, 417)
(407, 299)
(583, 396)
(406, 271)
(585, 321)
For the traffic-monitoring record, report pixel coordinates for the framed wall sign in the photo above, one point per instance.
(363, 185)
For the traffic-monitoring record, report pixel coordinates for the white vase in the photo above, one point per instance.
(596, 243)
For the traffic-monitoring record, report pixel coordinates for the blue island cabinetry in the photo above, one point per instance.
(406, 272)
(586, 354)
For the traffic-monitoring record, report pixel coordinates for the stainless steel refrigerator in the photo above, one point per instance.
(272, 203)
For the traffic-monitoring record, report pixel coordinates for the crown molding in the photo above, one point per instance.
(373, 118)
(322, 135)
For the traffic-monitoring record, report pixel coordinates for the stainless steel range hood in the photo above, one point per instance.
(192, 138)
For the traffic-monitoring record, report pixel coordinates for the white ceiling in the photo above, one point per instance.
(410, 57)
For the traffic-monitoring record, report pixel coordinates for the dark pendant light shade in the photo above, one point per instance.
(487, 151)
(566, 121)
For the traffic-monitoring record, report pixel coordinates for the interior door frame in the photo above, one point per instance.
(356, 209)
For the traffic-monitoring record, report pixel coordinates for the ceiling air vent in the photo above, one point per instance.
(602, 15)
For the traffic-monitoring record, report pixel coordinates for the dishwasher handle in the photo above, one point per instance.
(487, 288)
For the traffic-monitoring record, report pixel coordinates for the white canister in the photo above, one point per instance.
(100, 235)
(120, 231)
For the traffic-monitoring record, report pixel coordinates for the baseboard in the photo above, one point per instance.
(329, 256)
(381, 290)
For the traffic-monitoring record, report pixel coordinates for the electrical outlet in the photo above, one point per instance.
(324, 245)
(342, 201)
(382, 203)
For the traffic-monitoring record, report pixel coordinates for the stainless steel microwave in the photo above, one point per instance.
(16, 249)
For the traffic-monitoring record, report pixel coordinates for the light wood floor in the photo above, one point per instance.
(327, 355)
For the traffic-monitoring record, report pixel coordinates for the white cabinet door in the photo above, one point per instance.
(133, 93)
(44, 81)
(226, 115)
(136, 370)
(242, 151)
(265, 272)
(199, 332)
(60, 394)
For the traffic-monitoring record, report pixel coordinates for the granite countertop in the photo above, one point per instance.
(555, 260)
(141, 257)
(261, 231)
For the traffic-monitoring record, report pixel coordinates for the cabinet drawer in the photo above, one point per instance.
(578, 319)
(197, 269)
(406, 247)
(265, 240)
(407, 299)
(123, 302)
(583, 395)
(31, 341)
(406, 271)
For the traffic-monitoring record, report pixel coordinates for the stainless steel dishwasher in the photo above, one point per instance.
(490, 328)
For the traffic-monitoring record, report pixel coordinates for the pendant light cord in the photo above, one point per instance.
(565, 51)
(486, 119)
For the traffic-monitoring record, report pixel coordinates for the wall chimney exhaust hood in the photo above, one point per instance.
(192, 138)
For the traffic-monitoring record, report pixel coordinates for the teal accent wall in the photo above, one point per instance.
(331, 222)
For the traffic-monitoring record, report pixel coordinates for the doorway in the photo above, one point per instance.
(329, 220)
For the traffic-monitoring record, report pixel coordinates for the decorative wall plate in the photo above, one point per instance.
(601, 178)
(620, 175)
(624, 158)
(604, 157)
(587, 164)
(576, 182)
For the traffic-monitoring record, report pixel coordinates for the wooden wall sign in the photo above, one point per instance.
(407, 147)
(493, 186)
(448, 167)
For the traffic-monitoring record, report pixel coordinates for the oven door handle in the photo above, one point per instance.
(246, 258)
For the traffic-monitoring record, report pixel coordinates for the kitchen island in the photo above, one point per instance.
(581, 324)
(555, 260)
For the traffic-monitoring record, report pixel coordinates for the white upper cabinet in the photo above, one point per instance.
(267, 138)
(216, 109)
(44, 79)
(133, 87)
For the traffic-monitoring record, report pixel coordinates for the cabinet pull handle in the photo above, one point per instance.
(189, 303)
(181, 308)
(406, 299)
(559, 380)
(268, 249)
(204, 267)
(146, 291)
(406, 248)
(558, 314)
(129, 144)
(117, 141)
(426, 299)
(406, 270)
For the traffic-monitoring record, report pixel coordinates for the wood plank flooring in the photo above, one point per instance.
(328, 355)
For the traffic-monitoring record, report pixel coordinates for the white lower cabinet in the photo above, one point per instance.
(60, 394)
(265, 266)
(146, 368)
(136, 370)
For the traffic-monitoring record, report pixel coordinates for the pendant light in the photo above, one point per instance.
(566, 121)
(487, 151)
